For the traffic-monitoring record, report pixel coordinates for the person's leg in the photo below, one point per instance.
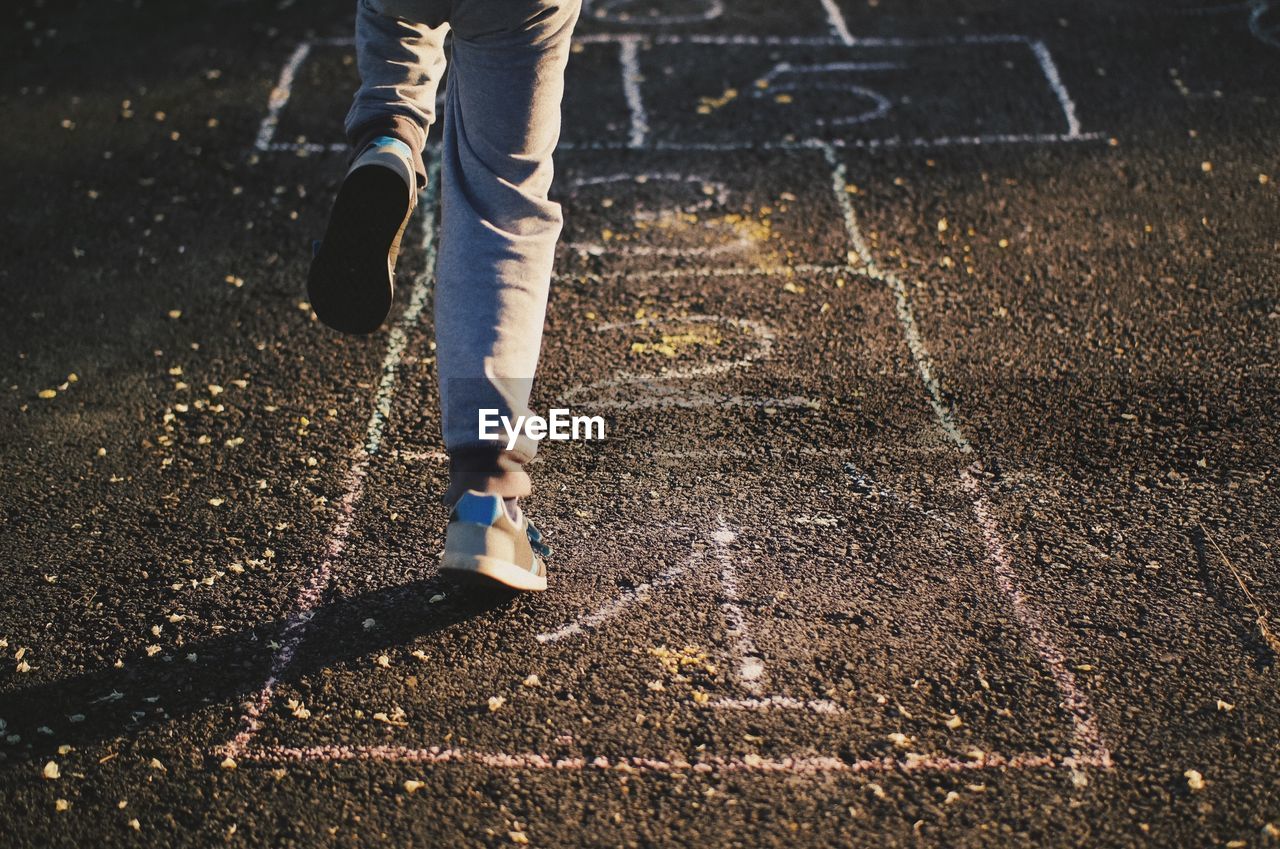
(351, 284)
(498, 229)
(401, 60)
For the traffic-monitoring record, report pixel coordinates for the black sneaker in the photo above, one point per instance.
(352, 279)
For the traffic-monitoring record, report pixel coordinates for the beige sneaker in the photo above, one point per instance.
(483, 544)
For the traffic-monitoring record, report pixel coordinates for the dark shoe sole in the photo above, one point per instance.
(350, 285)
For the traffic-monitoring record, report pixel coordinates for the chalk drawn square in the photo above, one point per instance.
(874, 91)
(682, 215)
(314, 89)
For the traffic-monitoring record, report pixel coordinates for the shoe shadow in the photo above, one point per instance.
(150, 691)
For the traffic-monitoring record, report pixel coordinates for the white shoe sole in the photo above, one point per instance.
(494, 571)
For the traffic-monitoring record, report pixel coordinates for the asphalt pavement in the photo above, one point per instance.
(937, 345)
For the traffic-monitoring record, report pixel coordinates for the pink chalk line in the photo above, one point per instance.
(1090, 746)
(791, 765)
(352, 490)
(1085, 723)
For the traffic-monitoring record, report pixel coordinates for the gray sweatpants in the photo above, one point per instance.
(498, 229)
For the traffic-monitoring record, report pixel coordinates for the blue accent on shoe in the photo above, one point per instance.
(315, 248)
(391, 141)
(478, 509)
(539, 547)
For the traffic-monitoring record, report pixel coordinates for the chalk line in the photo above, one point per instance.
(1271, 36)
(835, 20)
(309, 147)
(741, 245)
(713, 272)
(1085, 723)
(712, 10)
(799, 764)
(280, 96)
(629, 63)
(817, 143)
(762, 333)
(861, 256)
(720, 191)
(750, 40)
(639, 131)
(822, 68)
(768, 703)
(1050, 70)
(750, 661)
(1086, 734)
(313, 589)
(699, 400)
(615, 606)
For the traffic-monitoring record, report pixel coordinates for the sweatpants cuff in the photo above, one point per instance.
(399, 127)
(487, 469)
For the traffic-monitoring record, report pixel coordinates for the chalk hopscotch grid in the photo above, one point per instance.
(1089, 747)
(1088, 750)
(632, 88)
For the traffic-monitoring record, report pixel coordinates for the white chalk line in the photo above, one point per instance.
(280, 96)
(835, 20)
(861, 255)
(1050, 69)
(714, 271)
(742, 245)
(615, 606)
(1270, 37)
(823, 68)
(825, 707)
(762, 333)
(882, 105)
(750, 660)
(749, 40)
(312, 592)
(629, 66)
(799, 764)
(701, 400)
(719, 193)
(815, 143)
(1089, 744)
(638, 132)
(713, 9)
(818, 143)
